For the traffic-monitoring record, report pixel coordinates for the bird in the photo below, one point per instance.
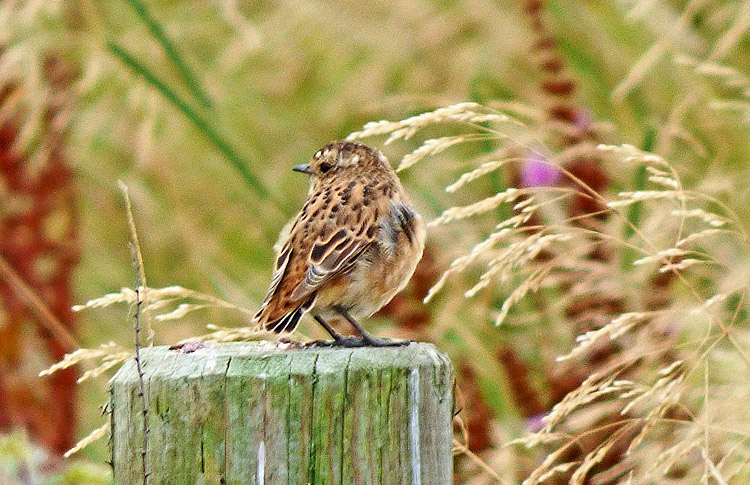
(351, 248)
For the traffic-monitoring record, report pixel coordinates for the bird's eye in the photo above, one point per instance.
(325, 167)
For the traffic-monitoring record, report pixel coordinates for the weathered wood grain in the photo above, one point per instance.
(253, 413)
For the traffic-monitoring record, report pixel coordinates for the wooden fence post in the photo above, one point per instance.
(254, 413)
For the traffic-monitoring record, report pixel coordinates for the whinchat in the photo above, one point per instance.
(351, 248)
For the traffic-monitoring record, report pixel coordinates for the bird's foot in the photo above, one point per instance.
(355, 342)
(384, 342)
(345, 342)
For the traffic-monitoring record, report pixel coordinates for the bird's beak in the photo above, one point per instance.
(304, 168)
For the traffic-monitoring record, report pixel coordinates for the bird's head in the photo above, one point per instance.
(344, 159)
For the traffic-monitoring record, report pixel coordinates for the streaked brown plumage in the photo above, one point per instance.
(351, 248)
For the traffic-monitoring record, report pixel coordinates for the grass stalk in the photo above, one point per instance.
(203, 126)
(187, 74)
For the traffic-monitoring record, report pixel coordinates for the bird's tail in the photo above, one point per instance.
(288, 323)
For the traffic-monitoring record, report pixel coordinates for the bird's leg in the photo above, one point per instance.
(366, 337)
(338, 339)
(328, 327)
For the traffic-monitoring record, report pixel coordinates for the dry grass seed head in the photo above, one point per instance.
(510, 251)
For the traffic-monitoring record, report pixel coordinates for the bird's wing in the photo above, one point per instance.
(328, 259)
(329, 234)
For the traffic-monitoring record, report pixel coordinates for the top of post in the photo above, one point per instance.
(266, 357)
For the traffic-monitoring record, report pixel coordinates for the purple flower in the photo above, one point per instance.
(583, 120)
(538, 172)
(535, 423)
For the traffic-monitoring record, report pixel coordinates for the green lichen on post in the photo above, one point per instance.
(255, 413)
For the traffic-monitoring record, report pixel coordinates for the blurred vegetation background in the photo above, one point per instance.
(202, 108)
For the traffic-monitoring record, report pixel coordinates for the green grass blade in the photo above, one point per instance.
(201, 124)
(185, 71)
(634, 212)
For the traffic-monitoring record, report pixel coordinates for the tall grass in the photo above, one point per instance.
(663, 401)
